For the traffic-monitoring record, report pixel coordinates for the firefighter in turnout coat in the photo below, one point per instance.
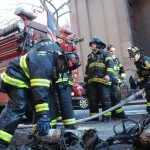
(118, 78)
(28, 79)
(99, 70)
(142, 64)
(62, 101)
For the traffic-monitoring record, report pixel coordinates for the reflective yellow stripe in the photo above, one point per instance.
(120, 65)
(24, 66)
(40, 82)
(148, 103)
(53, 123)
(42, 107)
(141, 79)
(107, 114)
(59, 53)
(119, 81)
(116, 68)
(123, 75)
(14, 82)
(85, 75)
(59, 118)
(71, 83)
(99, 80)
(119, 110)
(110, 69)
(148, 66)
(5, 136)
(69, 121)
(34, 127)
(62, 80)
(97, 64)
(91, 114)
(42, 53)
(108, 58)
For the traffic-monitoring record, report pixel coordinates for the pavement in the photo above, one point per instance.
(104, 129)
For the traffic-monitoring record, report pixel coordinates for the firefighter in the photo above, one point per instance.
(62, 101)
(99, 70)
(66, 83)
(120, 77)
(28, 78)
(142, 64)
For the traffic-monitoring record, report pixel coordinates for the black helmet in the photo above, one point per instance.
(98, 42)
(73, 61)
(134, 50)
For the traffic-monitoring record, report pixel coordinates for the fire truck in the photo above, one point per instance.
(18, 38)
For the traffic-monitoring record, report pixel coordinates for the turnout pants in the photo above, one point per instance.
(115, 95)
(12, 113)
(147, 90)
(65, 104)
(99, 92)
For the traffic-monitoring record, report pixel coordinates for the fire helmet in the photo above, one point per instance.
(73, 61)
(134, 50)
(71, 140)
(99, 43)
(65, 30)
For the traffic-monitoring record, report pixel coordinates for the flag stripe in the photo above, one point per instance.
(50, 27)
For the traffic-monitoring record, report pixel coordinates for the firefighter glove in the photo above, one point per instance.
(43, 124)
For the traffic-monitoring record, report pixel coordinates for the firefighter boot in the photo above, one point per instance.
(95, 119)
(148, 109)
(106, 118)
(59, 119)
(71, 126)
(121, 115)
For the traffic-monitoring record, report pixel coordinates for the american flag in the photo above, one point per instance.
(50, 27)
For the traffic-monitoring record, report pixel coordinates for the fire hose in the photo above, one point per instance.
(127, 100)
